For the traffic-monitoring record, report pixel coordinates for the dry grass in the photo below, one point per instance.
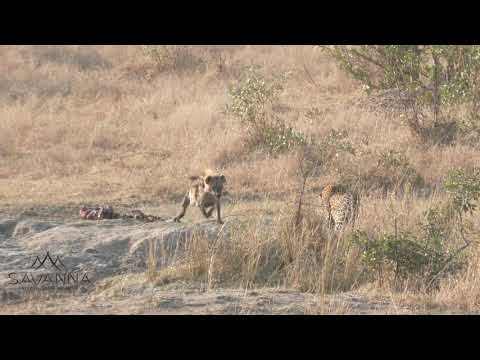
(78, 117)
(144, 136)
(84, 124)
(269, 252)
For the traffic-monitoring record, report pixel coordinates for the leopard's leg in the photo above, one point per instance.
(339, 223)
(331, 220)
(355, 210)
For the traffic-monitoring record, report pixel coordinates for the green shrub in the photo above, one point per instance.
(276, 138)
(394, 172)
(438, 226)
(252, 94)
(251, 99)
(338, 141)
(334, 151)
(402, 257)
(435, 82)
(314, 114)
(334, 144)
(464, 188)
(397, 163)
(392, 159)
(173, 57)
(405, 257)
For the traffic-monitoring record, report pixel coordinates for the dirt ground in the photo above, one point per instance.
(193, 301)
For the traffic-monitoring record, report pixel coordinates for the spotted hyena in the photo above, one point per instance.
(204, 192)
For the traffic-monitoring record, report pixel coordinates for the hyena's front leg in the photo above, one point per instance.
(185, 203)
(217, 205)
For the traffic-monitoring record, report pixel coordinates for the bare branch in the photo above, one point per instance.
(310, 76)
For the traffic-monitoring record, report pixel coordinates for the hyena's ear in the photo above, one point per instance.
(208, 179)
(193, 178)
(223, 178)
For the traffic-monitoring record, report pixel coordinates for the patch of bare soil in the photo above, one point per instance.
(185, 299)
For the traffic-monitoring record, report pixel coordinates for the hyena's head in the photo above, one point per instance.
(214, 184)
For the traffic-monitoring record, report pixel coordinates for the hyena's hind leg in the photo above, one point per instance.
(208, 213)
(185, 204)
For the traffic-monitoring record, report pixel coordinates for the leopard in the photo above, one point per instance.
(340, 205)
(204, 192)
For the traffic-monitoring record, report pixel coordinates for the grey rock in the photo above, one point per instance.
(100, 248)
(7, 227)
(25, 227)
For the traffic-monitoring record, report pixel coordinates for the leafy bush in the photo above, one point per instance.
(314, 114)
(418, 259)
(276, 138)
(392, 172)
(338, 141)
(252, 94)
(251, 100)
(402, 253)
(431, 78)
(464, 187)
(396, 163)
(392, 159)
(330, 147)
(403, 258)
(173, 57)
(438, 226)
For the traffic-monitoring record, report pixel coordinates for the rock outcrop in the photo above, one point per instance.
(100, 248)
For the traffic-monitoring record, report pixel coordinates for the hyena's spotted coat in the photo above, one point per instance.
(204, 192)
